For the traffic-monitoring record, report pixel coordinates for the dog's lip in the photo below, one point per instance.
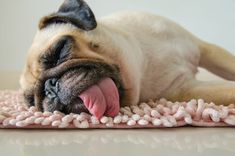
(83, 74)
(109, 107)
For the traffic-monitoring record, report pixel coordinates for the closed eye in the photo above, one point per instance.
(57, 53)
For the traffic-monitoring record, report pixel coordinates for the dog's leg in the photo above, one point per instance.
(217, 92)
(217, 60)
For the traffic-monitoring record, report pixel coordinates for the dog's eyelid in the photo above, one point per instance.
(47, 57)
(57, 53)
(47, 60)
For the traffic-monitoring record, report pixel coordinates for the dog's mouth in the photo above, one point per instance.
(88, 86)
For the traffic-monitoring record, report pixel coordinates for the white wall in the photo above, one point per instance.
(212, 20)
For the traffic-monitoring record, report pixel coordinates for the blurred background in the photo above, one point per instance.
(211, 20)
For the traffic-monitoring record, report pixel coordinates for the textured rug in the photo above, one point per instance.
(152, 114)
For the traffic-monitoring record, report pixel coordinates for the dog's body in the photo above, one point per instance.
(159, 55)
(155, 57)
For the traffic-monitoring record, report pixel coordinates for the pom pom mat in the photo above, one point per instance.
(152, 114)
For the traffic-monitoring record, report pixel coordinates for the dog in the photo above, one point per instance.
(79, 64)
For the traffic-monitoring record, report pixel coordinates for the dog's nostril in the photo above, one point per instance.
(51, 88)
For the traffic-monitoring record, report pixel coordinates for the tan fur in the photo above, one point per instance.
(157, 57)
(218, 60)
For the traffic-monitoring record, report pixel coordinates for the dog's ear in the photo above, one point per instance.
(75, 12)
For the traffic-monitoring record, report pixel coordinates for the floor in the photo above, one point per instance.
(178, 141)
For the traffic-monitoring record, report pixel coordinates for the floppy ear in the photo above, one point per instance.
(75, 12)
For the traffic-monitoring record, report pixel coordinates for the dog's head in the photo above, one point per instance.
(68, 69)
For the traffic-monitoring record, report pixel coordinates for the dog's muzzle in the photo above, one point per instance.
(81, 86)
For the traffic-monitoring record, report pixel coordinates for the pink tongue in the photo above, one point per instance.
(102, 99)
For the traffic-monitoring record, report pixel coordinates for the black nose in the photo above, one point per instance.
(51, 88)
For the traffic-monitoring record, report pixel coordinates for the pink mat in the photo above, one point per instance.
(152, 114)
